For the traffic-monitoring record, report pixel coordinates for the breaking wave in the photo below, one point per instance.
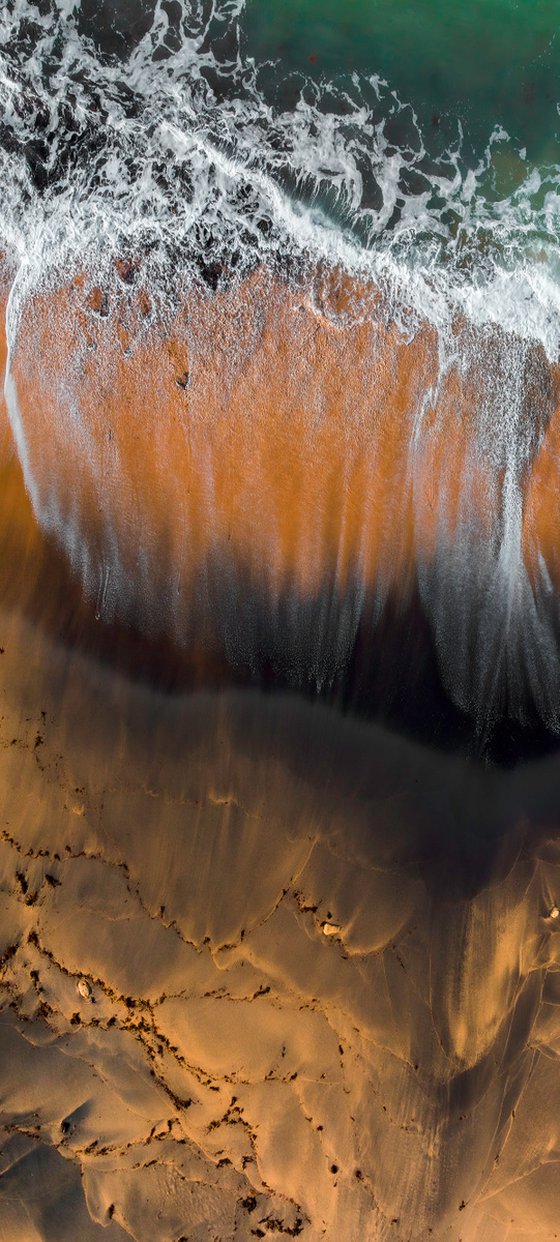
(180, 144)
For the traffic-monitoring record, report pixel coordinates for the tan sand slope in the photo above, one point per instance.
(179, 1026)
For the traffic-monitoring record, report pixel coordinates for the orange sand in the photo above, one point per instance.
(253, 429)
(541, 525)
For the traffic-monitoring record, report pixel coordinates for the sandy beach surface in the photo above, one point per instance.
(266, 969)
(280, 482)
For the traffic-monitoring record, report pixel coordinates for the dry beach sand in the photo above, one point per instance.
(266, 970)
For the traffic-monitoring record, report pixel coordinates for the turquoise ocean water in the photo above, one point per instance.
(427, 131)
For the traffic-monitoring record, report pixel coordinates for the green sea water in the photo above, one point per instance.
(485, 63)
(416, 141)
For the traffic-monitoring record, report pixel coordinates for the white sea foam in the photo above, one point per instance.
(169, 148)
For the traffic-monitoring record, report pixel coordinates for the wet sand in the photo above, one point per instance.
(265, 968)
(320, 440)
(288, 423)
(279, 481)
